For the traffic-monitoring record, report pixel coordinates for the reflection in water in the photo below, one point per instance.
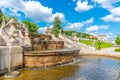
(88, 68)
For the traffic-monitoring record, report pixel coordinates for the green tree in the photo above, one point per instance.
(98, 45)
(118, 40)
(56, 26)
(31, 26)
(1, 16)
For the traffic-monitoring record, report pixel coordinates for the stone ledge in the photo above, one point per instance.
(52, 52)
(50, 58)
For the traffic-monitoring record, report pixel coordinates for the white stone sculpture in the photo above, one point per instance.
(27, 40)
(48, 30)
(12, 30)
(75, 39)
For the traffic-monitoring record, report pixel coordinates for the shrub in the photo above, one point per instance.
(117, 49)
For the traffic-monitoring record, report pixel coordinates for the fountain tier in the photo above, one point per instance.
(47, 52)
(47, 58)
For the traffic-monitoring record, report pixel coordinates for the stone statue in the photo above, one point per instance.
(60, 31)
(75, 39)
(12, 32)
(27, 40)
(11, 41)
(48, 30)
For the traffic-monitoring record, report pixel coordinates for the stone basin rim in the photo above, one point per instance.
(52, 52)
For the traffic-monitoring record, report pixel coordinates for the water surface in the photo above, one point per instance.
(88, 68)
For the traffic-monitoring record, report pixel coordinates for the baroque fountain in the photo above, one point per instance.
(21, 49)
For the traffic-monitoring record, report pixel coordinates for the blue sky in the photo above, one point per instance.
(90, 16)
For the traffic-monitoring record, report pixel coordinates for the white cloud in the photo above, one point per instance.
(95, 28)
(74, 26)
(89, 21)
(110, 33)
(107, 4)
(61, 16)
(83, 6)
(114, 15)
(78, 25)
(105, 27)
(111, 18)
(43, 29)
(115, 11)
(32, 9)
(92, 28)
(14, 12)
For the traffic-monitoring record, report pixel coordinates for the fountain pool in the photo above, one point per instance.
(88, 68)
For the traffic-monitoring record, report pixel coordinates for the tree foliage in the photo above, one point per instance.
(31, 26)
(99, 43)
(56, 26)
(2, 15)
(78, 34)
(118, 40)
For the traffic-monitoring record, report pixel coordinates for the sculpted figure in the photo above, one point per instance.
(12, 32)
(27, 40)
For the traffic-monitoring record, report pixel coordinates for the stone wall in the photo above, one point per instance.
(41, 36)
(42, 59)
(2, 42)
(48, 45)
(16, 56)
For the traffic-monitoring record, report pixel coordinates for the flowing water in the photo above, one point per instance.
(88, 68)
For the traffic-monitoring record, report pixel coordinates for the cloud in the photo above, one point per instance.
(111, 18)
(92, 28)
(78, 25)
(74, 26)
(89, 21)
(114, 15)
(115, 11)
(32, 9)
(61, 16)
(105, 27)
(95, 28)
(43, 29)
(107, 4)
(83, 6)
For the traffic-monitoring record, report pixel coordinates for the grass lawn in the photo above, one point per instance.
(117, 49)
(90, 42)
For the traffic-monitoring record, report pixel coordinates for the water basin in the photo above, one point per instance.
(87, 68)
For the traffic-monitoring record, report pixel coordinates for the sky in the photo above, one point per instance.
(89, 16)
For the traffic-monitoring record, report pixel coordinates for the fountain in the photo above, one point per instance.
(33, 50)
(47, 52)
